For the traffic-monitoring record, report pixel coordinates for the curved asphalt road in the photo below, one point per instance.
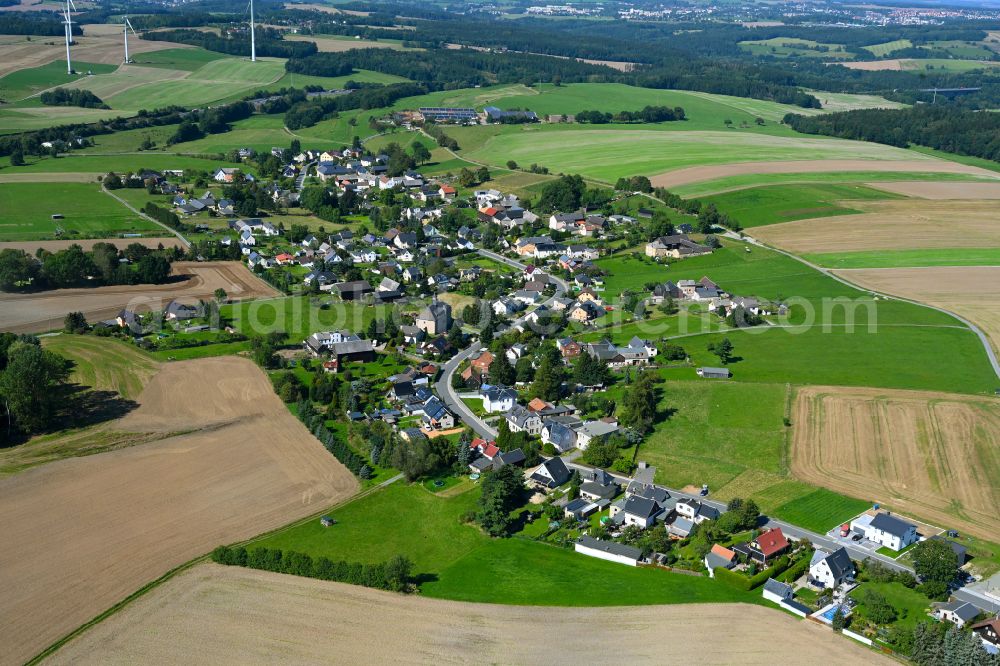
(443, 386)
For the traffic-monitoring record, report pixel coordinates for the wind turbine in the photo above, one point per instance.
(69, 34)
(127, 27)
(253, 41)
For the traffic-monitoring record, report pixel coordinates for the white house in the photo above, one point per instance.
(830, 569)
(608, 550)
(640, 511)
(956, 612)
(591, 430)
(885, 529)
(498, 398)
(520, 419)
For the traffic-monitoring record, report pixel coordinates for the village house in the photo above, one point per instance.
(552, 473)
(695, 511)
(520, 419)
(497, 398)
(830, 569)
(957, 612)
(719, 557)
(611, 551)
(677, 246)
(769, 544)
(635, 510)
(885, 529)
(592, 431)
(989, 632)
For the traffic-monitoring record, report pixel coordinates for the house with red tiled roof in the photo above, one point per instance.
(768, 545)
(482, 363)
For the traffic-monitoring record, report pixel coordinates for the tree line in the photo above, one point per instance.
(81, 98)
(73, 267)
(648, 114)
(941, 127)
(35, 23)
(308, 112)
(394, 574)
(268, 42)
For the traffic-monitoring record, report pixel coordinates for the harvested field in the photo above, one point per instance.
(42, 311)
(891, 225)
(333, 44)
(894, 65)
(933, 455)
(927, 190)
(81, 534)
(699, 174)
(103, 49)
(86, 244)
(972, 292)
(229, 615)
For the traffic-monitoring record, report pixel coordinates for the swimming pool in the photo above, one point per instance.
(832, 610)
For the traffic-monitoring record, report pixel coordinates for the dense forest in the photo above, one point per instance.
(64, 97)
(20, 23)
(948, 129)
(269, 43)
(648, 114)
(451, 69)
(306, 113)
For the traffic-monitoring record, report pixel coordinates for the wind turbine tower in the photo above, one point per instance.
(253, 40)
(68, 22)
(128, 26)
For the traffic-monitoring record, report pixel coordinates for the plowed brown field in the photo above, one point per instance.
(45, 310)
(933, 455)
(229, 615)
(699, 174)
(81, 534)
(891, 225)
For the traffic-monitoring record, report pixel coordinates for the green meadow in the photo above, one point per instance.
(608, 154)
(453, 559)
(33, 80)
(186, 59)
(985, 256)
(88, 212)
(885, 48)
(100, 164)
(794, 47)
(297, 316)
(834, 334)
(771, 204)
(708, 436)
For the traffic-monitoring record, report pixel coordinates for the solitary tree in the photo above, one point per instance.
(934, 560)
(723, 349)
(420, 153)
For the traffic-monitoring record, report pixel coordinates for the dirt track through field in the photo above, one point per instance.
(699, 174)
(891, 225)
(230, 615)
(970, 291)
(942, 190)
(45, 310)
(82, 534)
(930, 454)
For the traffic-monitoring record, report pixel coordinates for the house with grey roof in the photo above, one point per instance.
(636, 510)
(830, 569)
(778, 592)
(591, 431)
(521, 419)
(497, 398)
(885, 529)
(552, 473)
(608, 550)
(561, 436)
(956, 612)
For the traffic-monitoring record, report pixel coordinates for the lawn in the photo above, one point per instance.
(88, 213)
(911, 606)
(453, 559)
(299, 316)
(820, 510)
(186, 59)
(771, 204)
(586, 149)
(104, 364)
(985, 256)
